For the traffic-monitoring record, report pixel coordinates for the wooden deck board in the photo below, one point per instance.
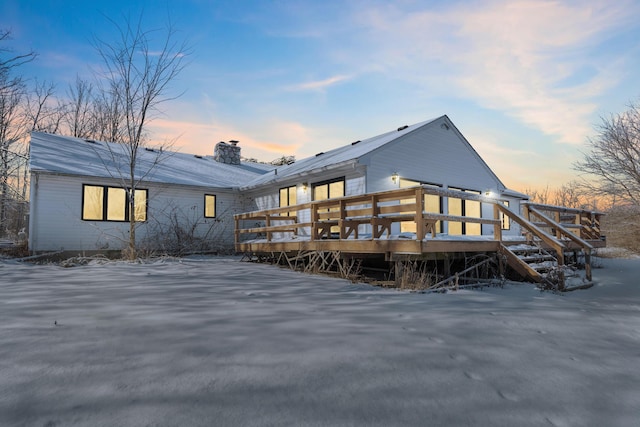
(370, 246)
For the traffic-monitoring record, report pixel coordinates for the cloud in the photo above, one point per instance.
(264, 141)
(519, 53)
(541, 62)
(319, 85)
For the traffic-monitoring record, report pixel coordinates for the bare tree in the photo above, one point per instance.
(571, 195)
(108, 115)
(12, 124)
(41, 112)
(284, 160)
(138, 72)
(79, 114)
(539, 195)
(613, 160)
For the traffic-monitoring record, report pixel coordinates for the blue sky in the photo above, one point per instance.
(524, 81)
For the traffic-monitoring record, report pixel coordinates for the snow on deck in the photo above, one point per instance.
(215, 341)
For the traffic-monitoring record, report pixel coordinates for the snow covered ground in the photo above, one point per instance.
(215, 341)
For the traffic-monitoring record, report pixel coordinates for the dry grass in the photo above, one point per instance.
(14, 250)
(616, 252)
(622, 228)
(414, 276)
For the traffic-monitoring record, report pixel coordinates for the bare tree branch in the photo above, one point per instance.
(613, 161)
(12, 126)
(138, 77)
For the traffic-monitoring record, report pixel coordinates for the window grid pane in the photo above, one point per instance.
(116, 204)
(292, 196)
(141, 205)
(506, 221)
(92, 208)
(209, 206)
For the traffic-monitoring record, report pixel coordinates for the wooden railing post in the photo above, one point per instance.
(267, 223)
(596, 225)
(419, 217)
(236, 233)
(343, 217)
(497, 228)
(314, 221)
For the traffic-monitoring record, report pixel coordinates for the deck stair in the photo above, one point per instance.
(542, 258)
(541, 265)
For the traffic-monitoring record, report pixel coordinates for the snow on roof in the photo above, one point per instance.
(75, 156)
(337, 156)
(514, 193)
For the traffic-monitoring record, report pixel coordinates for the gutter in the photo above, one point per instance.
(276, 178)
(118, 181)
(33, 200)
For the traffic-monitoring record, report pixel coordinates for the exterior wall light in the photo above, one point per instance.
(395, 177)
(305, 186)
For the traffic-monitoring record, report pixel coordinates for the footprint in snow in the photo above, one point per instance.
(458, 357)
(508, 396)
(473, 376)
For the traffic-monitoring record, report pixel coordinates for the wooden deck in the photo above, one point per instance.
(364, 225)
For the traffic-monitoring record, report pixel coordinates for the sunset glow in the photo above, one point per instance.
(525, 81)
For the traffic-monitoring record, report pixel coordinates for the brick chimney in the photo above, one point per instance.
(228, 153)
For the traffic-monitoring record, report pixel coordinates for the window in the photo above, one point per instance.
(209, 206)
(328, 189)
(504, 219)
(463, 207)
(473, 208)
(288, 198)
(456, 208)
(432, 204)
(102, 203)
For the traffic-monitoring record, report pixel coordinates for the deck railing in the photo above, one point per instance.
(343, 217)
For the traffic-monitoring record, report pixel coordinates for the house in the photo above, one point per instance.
(432, 153)
(78, 200)
(78, 197)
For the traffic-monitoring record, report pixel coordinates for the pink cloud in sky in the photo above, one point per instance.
(517, 57)
(200, 138)
(319, 84)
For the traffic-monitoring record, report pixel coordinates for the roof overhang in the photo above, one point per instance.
(336, 167)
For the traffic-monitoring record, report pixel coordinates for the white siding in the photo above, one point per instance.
(269, 197)
(56, 212)
(432, 154)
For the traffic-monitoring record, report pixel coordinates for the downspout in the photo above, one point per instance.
(32, 209)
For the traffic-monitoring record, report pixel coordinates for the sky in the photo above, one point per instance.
(526, 82)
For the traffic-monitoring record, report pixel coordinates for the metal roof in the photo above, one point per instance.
(336, 157)
(74, 156)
